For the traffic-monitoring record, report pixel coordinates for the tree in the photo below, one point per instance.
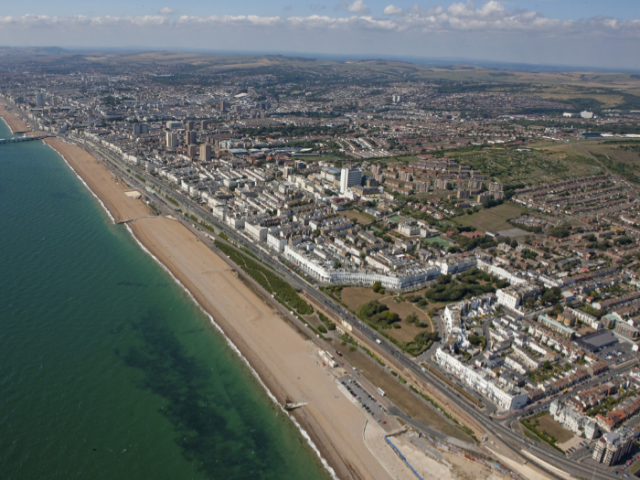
(411, 318)
(377, 286)
(552, 296)
(337, 264)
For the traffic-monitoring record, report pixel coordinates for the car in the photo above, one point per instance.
(616, 472)
(338, 352)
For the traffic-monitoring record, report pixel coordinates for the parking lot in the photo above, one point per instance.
(580, 447)
(617, 353)
(365, 399)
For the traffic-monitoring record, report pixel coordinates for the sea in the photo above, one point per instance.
(108, 369)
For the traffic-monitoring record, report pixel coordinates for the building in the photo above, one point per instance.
(409, 229)
(205, 152)
(612, 447)
(192, 150)
(509, 297)
(454, 264)
(39, 99)
(627, 330)
(350, 177)
(507, 398)
(172, 140)
(140, 128)
(475, 184)
(191, 138)
(513, 296)
(556, 326)
(573, 420)
(409, 276)
(256, 231)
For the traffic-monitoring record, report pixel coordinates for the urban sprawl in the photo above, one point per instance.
(525, 289)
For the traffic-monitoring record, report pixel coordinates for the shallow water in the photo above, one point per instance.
(108, 370)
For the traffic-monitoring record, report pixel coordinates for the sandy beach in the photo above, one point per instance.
(286, 363)
(14, 122)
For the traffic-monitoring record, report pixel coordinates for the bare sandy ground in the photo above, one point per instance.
(100, 181)
(14, 122)
(286, 363)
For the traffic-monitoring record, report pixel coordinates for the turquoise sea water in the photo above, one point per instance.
(107, 369)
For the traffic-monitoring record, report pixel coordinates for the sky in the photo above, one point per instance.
(572, 33)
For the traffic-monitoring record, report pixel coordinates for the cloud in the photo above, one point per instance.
(357, 6)
(167, 11)
(392, 10)
(492, 17)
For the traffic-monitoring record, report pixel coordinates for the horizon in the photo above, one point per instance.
(434, 62)
(569, 34)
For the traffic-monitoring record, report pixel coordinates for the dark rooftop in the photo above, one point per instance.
(598, 340)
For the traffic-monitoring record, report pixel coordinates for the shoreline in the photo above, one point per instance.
(14, 122)
(104, 207)
(338, 454)
(328, 448)
(237, 351)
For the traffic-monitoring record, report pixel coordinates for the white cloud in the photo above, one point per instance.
(167, 11)
(392, 10)
(358, 7)
(491, 17)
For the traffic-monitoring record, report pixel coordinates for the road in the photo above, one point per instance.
(498, 431)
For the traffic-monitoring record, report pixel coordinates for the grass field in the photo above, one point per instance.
(399, 218)
(356, 297)
(608, 101)
(441, 242)
(492, 219)
(621, 157)
(360, 217)
(548, 425)
(530, 168)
